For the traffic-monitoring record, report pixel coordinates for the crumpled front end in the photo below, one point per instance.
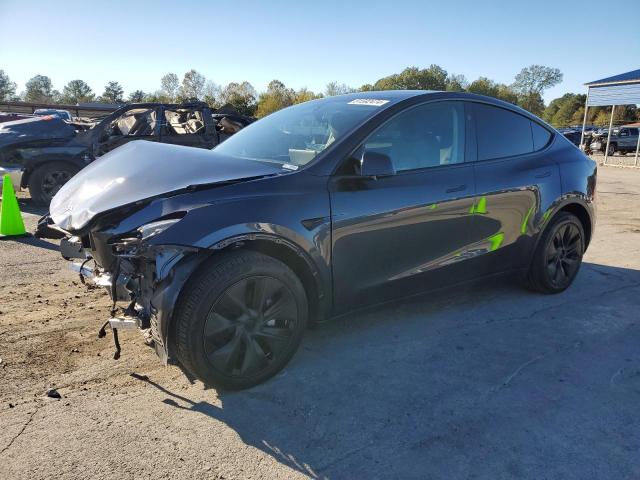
(143, 280)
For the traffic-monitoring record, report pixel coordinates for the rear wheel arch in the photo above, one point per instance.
(558, 255)
(573, 207)
(583, 215)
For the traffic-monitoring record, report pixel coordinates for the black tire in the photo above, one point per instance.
(240, 319)
(558, 256)
(47, 179)
(612, 149)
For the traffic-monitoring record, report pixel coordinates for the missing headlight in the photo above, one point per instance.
(154, 228)
(131, 244)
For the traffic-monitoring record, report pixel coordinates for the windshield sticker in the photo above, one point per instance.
(288, 166)
(372, 102)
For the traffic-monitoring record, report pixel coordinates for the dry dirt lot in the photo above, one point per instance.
(485, 382)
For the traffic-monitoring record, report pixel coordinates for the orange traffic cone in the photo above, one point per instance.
(11, 224)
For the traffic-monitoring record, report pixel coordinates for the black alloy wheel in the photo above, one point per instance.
(239, 319)
(558, 256)
(564, 253)
(250, 326)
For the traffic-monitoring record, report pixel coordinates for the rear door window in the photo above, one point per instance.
(501, 133)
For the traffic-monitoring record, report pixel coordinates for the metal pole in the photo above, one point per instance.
(606, 151)
(637, 147)
(584, 120)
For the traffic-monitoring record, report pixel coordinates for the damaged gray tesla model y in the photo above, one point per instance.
(224, 257)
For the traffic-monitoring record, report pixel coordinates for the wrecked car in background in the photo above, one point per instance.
(43, 153)
(623, 140)
(318, 209)
(54, 112)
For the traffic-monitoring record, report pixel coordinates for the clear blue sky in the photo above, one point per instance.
(312, 43)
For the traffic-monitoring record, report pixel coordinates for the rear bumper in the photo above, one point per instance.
(15, 173)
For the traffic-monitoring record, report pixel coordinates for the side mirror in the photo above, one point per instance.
(376, 164)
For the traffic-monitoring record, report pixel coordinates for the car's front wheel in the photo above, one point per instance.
(611, 149)
(558, 256)
(47, 179)
(240, 319)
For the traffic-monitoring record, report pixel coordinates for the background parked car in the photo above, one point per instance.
(623, 140)
(62, 114)
(43, 152)
(573, 136)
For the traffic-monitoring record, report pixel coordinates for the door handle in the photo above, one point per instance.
(544, 174)
(456, 188)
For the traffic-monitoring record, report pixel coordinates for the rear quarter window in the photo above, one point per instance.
(541, 136)
(501, 133)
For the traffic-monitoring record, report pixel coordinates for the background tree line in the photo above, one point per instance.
(526, 91)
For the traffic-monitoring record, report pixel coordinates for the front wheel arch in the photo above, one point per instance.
(319, 300)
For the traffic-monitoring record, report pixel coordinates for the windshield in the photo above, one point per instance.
(292, 137)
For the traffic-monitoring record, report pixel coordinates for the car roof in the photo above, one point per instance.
(389, 94)
(396, 96)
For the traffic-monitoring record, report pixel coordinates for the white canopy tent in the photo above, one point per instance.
(622, 89)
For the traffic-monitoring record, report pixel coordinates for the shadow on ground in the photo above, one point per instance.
(490, 381)
(36, 242)
(27, 206)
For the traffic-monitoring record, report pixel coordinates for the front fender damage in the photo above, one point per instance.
(173, 269)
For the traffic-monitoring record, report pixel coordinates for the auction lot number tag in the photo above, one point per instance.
(371, 102)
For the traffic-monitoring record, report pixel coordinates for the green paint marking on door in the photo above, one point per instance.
(496, 241)
(525, 221)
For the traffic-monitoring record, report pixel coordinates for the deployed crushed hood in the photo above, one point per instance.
(140, 170)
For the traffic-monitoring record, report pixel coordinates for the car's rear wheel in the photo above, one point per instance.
(558, 256)
(240, 320)
(47, 179)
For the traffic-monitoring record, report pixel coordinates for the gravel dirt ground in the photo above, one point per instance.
(490, 381)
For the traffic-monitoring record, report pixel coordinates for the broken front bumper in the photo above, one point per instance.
(148, 279)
